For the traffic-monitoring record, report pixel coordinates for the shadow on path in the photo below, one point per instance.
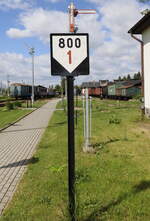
(21, 162)
(33, 128)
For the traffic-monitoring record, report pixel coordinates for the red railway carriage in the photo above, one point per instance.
(98, 89)
(95, 91)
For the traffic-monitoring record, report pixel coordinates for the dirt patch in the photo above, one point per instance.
(143, 128)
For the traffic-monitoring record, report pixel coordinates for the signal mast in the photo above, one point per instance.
(73, 12)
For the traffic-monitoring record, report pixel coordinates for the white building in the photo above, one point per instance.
(143, 27)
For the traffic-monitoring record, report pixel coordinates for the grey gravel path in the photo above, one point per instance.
(17, 145)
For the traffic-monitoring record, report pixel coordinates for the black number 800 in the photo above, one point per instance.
(69, 43)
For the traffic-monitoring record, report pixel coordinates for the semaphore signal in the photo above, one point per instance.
(73, 12)
(70, 58)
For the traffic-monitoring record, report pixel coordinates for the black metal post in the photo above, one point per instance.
(71, 148)
(76, 109)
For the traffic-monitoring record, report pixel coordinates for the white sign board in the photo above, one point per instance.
(69, 54)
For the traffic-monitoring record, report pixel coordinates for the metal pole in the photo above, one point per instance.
(71, 147)
(90, 117)
(71, 144)
(8, 85)
(87, 119)
(84, 113)
(71, 17)
(62, 92)
(31, 52)
(76, 108)
(1, 88)
(66, 88)
(32, 78)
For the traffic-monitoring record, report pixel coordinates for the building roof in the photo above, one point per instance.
(141, 25)
(128, 82)
(20, 84)
(92, 84)
(131, 83)
(103, 83)
(126, 87)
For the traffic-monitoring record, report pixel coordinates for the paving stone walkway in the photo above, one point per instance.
(17, 145)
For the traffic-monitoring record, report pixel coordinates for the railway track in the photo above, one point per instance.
(4, 102)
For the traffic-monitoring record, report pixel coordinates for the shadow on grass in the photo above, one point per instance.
(61, 123)
(103, 144)
(32, 160)
(142, 186)
(123, 107)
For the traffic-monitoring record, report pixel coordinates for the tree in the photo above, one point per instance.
(63, 84)
(137, 76)
(119, 78)
(128, 77)
(124, 78)
(78, 89)
(58, 88)
(144, 1)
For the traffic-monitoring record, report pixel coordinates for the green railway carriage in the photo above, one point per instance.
(124, 89)
(130, 91)
(112, 88)
(19, 90)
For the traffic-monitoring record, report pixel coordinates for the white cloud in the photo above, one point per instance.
(17, 33)
(53, 1)
(40, 23)
(119, 54)
(15, 4)
(113, 51)
(19, 69)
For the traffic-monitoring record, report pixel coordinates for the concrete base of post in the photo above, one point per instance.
(88, 148)
(147, 112)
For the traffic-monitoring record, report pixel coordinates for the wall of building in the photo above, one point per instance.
(146, 40)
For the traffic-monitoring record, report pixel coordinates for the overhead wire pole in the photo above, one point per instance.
(31, 52)
(73, 12)
(90, 117)
(1, 87)
(8, 81)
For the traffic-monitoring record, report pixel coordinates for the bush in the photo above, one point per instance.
(17, 104)
(9, 106)
(114, 120)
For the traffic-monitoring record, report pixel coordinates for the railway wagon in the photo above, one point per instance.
(124, 89)
(113, 89)
(105, 91)
(24, 91)
(41, 91)
(95, 91)
(18, 90)
(130, 91)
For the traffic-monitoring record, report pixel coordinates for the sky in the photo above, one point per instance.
(28, 23)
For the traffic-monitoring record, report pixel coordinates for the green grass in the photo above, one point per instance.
(112, 184)
(6, 98)
(8, 117)
(39, 103)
